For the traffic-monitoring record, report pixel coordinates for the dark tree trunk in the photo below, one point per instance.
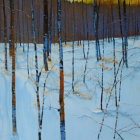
(125, 40)
(5, 34)
(96, 22)
(45, 51)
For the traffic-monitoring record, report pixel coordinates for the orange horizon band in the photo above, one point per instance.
(131, 2)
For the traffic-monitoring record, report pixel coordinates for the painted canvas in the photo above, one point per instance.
(70, 70)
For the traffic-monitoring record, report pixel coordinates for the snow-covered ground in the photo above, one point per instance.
(82, 109)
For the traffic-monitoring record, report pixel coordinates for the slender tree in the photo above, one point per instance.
(23, 12)
(18, 16)
(125, 40)
(83, 29)
(50, 30)
(5, 34)
(38, 21)
(61, 96)
(28, 46)
(123, 35)
(65, 21)
(73, 15)
(36, 67)
(87, 36)
(96, 22)
(12, 46)
(102, 90)
(45, 34)
(114, 53)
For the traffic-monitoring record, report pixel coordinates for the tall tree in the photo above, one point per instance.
(83, 29)
(96, 22)
(73, 15)
(12, 46)
(5, 33)
(38, 21)
(61, 96)
(36, 67)
(87, 25)
(45, 51)
(65, 8)
(87, 36)
(102, 83)
(18, 16)
(125, 40)
(114, 51)
(28, 35)
(23, 12)
(50, 30)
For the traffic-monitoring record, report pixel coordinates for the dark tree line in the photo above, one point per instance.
(67, 21)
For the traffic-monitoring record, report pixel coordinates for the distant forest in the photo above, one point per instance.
(83, 20)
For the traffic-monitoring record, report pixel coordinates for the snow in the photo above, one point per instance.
(82, 110)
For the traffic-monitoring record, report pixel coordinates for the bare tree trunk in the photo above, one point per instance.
(13, 67)
(87, 25)
(65, 23)
(102, 90)
(96, 19)
(38, 22)
(50, 31)
(73, 46)
(83, 29)
(23, 12)
(36, 67)
(5, 34)
(87, 35)
(45, 34)
(61, 97)
(18, 16)
(114, 53)
(28, 47)
(125, 41)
